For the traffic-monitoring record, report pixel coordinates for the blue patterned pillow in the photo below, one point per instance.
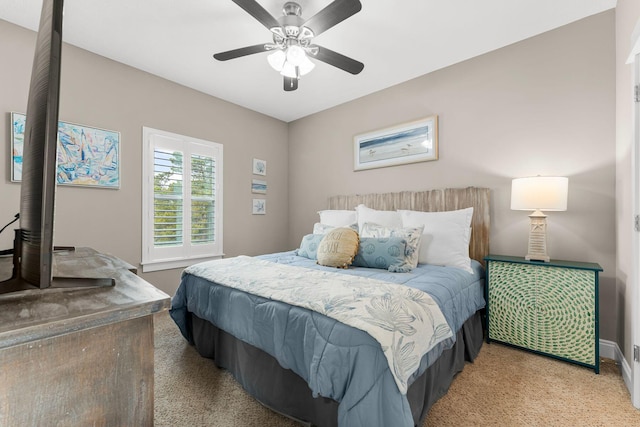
(413, 236)
(309, 246)
(386, 253)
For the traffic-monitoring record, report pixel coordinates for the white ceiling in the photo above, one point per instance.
(396, 40)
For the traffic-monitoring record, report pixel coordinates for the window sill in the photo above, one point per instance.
(149, 266)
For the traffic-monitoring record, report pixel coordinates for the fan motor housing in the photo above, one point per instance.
(291, 20)
(292, 8)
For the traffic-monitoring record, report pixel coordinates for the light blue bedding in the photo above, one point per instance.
(336, 360)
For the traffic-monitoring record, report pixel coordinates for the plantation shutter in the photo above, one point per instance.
(202, 199)
(168, 173)
(182, 189)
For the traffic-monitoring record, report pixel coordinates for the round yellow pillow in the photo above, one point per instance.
(338, 248)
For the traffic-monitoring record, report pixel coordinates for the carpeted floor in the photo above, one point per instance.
(503, 387)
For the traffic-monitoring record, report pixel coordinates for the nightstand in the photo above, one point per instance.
(550, 308)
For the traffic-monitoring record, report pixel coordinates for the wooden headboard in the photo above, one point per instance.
(446, 199)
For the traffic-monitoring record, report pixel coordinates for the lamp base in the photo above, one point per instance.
(538, 237)
(535, 257)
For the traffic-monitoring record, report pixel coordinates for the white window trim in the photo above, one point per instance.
(153, 259)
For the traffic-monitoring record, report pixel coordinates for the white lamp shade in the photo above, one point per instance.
(276, 59)
(295, 55)
(545, 193)
(305, 66)
(286, 62)
(289, 70)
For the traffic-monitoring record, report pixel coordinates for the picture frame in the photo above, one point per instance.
(259, 167)
(258, 186)
(17, 145)
(259, 207)
(87, 156)
(412, 142)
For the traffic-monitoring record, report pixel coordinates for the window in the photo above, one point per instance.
(182, 200)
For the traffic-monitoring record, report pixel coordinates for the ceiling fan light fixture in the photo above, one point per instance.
(292, 65)
(296, 55)
(277, 59)
(289, 70)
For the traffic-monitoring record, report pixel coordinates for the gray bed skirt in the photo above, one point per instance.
(285, 392)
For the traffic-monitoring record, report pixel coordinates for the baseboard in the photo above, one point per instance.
(611, 350)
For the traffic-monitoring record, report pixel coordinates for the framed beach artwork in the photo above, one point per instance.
(17, 144)
(258, 186)
(87, 156)
(259, 207)
(259, 167)
(406, 143)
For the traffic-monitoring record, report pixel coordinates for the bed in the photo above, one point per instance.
(312, 362)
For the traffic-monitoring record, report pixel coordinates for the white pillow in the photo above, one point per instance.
(446, 236)
(338, 218)
(413, 235)
(385, 218)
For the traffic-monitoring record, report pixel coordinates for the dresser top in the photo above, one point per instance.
(552, 263)
(34, 314)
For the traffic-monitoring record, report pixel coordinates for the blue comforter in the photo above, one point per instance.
(337, 361)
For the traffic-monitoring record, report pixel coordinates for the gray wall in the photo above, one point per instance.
(544, 106)
(106, 94)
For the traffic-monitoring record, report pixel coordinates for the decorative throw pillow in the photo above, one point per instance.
(309, 246)
(319, 228)
(387, 253)
(338, 248)
(338, 218)
(446, 236)
(411, 234)
(385, 218)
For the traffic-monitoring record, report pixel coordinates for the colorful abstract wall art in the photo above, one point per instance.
(87, 156)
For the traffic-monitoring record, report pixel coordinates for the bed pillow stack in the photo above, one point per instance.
(436, 238)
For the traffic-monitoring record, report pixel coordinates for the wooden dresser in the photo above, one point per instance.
(79, 357)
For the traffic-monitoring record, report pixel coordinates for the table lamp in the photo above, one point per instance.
(538, 193)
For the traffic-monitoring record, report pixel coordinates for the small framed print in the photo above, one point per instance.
(259, 207)
(259, 167)
(258, 186)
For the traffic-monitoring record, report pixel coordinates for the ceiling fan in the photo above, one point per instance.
(292, 35)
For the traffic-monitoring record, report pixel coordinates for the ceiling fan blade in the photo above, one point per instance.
(333, 14)
(290, 83)
(338, 60)
(254, 9)
(237, 53)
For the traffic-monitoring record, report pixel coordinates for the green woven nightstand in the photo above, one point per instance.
(550, 308)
